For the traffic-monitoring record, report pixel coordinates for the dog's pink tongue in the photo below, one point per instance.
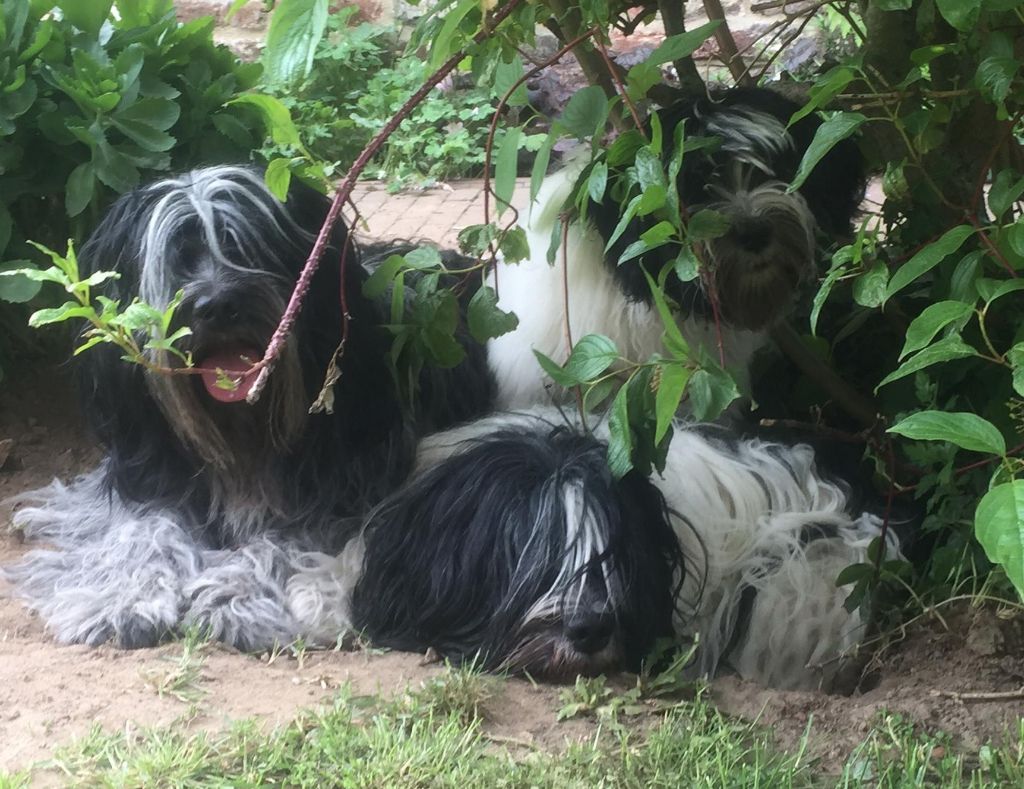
(223, 375)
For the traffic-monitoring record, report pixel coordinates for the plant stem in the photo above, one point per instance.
(284, 328)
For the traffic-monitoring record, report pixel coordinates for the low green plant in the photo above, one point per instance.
(357, 82)
(96, 97)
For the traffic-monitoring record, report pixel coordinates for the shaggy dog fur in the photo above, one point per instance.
(514, 545)
(757, 267)
(204, 506)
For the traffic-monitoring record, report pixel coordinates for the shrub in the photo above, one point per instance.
(92, 103)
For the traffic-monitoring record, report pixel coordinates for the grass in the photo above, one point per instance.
(435, 736)
(182, 679)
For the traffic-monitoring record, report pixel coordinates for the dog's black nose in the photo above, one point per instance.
(752, 233)
(216, 308)
(590, 631)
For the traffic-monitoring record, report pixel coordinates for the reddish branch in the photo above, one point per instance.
(284, 328)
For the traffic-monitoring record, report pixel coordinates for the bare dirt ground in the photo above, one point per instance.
(51, 694)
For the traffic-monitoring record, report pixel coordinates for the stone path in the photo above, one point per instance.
(436, 214)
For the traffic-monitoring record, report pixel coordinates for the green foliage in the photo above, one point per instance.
(357, 84)
(140, 331)
(96, 97)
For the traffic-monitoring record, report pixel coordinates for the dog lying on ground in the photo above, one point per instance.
(514, 546)
(205, 506)
(756, 267)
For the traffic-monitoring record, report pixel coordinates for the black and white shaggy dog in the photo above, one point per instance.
(756, 268)
(515, 545)
(204, 505)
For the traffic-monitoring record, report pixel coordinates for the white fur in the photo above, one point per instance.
(124, 571)
(535, 291)
(740, 515)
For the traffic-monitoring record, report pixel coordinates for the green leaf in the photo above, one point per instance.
(962, 285)
(869, 287)
(79, 190)
(683, 44)
(840, 263)
(276, 118)
(1015, 356)
(443, 45)
(585, 113)
(944, 350)
(824, 90)
(505, 168)
(86, 15)
(966, 430)
(672, 337)
(671, 387)
(17, 288)
(114, 168)
(961, 14)
(999, 526)
(474, 239)
(514, 245)
(590, 357)
(144, 136)
(1006, 189)
(486, 319)
(711, 391)
(707, 224)
(554, 370)
(686, 266)
(67, 311)
(423, 258)
(382, 276)
(627, 217)
(1015, 237)
(992, 289)
(158, 114)
(829, 134)
(278, 178)
(651, 200)
(540, 164)
(506, 74)
(620, 439)
(648, 169)
(296, 27)
(597, 182)
(927, 259)
(931, 321)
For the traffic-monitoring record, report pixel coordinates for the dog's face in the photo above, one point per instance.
(742, 161)
(233, 251)
(525, 553)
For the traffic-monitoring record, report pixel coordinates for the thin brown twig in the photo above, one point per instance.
(266, 365)
(981, 695)
(617, 79)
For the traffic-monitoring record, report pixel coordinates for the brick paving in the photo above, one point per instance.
(436, 214)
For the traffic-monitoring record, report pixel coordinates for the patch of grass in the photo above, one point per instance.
(181, 680)
(434, 736)
(430, 736)
(896, 755)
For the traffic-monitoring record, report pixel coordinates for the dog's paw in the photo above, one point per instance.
(229, 605)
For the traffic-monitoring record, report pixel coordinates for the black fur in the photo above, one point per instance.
(459, 559)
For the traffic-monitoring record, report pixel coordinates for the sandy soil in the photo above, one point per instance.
(50, 694)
